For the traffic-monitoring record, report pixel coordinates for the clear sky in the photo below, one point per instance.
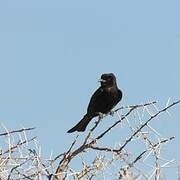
(53, 52)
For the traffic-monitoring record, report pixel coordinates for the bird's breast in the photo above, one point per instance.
(107, 101)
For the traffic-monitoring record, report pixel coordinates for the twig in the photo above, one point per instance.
(15, 131)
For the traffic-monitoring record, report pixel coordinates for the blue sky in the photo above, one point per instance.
(53, 52)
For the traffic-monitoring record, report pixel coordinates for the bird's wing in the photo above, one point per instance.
(92, 107)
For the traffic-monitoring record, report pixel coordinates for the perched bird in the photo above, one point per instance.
(102, 101)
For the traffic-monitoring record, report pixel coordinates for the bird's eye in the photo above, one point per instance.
(109, 77)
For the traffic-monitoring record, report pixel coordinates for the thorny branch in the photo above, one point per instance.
(21, 157)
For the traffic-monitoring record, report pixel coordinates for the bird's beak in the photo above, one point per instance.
(101, 80)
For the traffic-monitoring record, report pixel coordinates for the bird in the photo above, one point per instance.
(104, 99)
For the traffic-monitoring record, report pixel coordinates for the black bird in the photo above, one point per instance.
(102, 101)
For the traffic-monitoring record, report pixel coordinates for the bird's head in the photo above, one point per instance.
(107, 80)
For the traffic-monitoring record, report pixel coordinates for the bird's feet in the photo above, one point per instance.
(101, 115)
(111, 113)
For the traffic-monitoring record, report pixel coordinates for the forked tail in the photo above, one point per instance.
(81, 126)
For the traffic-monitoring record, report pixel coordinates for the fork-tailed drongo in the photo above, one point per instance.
(102, 101)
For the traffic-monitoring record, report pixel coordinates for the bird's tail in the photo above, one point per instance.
(81, 126)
